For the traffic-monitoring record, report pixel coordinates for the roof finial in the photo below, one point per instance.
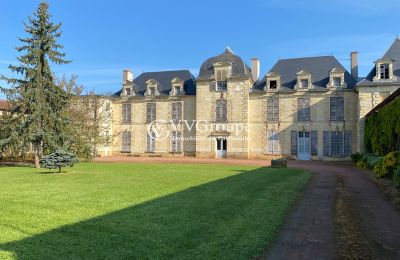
(229, 49)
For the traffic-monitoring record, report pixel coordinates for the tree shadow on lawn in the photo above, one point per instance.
(235, 217)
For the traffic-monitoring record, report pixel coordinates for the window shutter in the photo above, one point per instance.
(314, 142)
(277, 145)
(347, 143)
(213, 85)
(224, 110)
(270, 109)
(218, 109)
(333, 107)
(300, 109)
(276, 109)
(340, 108)
(293, 142)
(327, 143)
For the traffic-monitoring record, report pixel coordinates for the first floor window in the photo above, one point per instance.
(176, 141)
(150, 112)
(337, 108)
(126, 142)
(272, 109)
(303, 109)
(126, 112)
(151, 141)
(176, 108)
(273, 143)
(221, 111)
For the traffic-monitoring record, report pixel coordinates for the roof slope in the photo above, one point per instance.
(319, 67)
(392, 53)
(4, 105)
(164, 79)
(239, 68)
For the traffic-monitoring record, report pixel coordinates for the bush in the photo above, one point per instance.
(368, 161)
(396, 177)
(58, 160)
(356, 157)
(279, 163)
(380, 170)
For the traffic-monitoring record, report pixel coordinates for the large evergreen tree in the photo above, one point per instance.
(38, 115)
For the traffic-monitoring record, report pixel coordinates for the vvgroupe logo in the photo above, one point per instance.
(163, 129)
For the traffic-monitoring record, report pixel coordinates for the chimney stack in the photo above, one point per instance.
(255, 69)
(127, 75)
(354, 64)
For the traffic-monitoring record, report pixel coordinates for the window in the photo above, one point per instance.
(273, 84)
(177, 90)
(150, 112)
(384, 71)
(221, 111)
(272, 109)
(273, 143)
(221, 76)
(176, 142)
(176, 112)
(128, 91)
(126, 113)
(151, 141)
(336, 143)
(337, 82)
(304, 83)
(337, 108)
(126, 142)
(303, 109)
(152, 90)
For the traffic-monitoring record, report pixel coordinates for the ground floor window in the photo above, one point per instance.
(273, 143)
(126, 142)
(176, 142)
(151, 141)
(337, 143)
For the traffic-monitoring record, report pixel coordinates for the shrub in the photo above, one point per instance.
(362, 164)
(279, 163)
(356, 157)
(396, 177)
(380, 169)
(58, 160)
(368, 161)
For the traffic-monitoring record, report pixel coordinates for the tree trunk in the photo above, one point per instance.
(36, 149)
(59, 169)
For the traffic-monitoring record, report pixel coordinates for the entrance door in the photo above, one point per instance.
(303, 144)
(221, 147)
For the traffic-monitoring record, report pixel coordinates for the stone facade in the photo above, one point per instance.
(307, 108)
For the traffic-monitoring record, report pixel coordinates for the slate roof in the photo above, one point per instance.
(239, 67)
(319, 67)
(164, 79)
(394, 54)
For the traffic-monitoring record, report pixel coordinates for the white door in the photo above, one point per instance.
(303, 146)
(221, 148)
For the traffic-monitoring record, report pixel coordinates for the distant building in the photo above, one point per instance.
(4, 107)
(303, 108)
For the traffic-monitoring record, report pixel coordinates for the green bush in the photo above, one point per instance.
(368, 161)
(58, 160)
(356, 157)
(362, 164)
(380, 170)
(396, 177)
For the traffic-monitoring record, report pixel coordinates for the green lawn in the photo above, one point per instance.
(142, 211)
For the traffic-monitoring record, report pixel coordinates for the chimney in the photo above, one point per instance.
(255, 69)
(354, 64)
(127, 75)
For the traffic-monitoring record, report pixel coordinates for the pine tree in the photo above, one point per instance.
(37, 116)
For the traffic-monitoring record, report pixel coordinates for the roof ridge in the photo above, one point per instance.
(309, 57)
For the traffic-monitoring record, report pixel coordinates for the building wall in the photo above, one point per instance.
(139, 128)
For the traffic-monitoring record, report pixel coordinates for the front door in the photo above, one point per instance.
(303, 148)
(221, 148)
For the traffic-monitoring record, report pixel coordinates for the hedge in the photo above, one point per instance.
(382, 130)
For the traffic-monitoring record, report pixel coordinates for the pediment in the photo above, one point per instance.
(176, 81)
(303, 73)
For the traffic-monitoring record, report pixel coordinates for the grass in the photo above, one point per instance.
(142, 211)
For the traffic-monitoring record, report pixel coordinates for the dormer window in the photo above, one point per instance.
(303, 80)
(273, 81)
(177, 87)
(222, 71)
(128, 91)
(152, 88)
(336, 78)
(384, 69)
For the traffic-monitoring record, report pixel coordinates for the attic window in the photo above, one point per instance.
(177, 90)
(337, 82)
(152, 90)
(273, 84)
(384, 71)
(128, 91)
(304, 83)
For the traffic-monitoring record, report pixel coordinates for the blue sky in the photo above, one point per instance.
(104, 37)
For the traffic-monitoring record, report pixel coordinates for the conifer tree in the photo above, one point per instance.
(38, 117)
